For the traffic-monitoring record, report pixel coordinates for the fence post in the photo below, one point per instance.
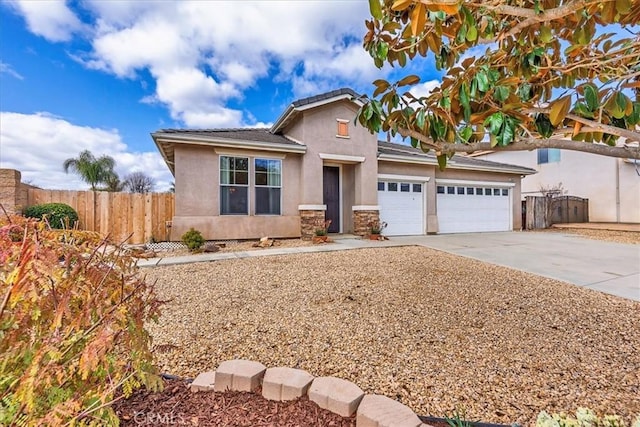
(12, 195)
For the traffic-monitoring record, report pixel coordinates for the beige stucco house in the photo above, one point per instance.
(314, 164)
(612, 185)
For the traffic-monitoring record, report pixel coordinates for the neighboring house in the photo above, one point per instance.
(316, 164)
(612, 185)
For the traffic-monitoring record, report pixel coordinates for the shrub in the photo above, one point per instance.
(72, 331)
(584, 417)
(193, 239)
(58, 215)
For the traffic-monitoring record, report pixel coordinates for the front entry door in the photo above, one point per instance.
(331, 196)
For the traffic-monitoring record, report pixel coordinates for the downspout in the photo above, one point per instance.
(618, 190)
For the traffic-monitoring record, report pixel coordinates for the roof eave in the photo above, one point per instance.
(229, 143)
(168, 162)
(454, 165)
(291, 109)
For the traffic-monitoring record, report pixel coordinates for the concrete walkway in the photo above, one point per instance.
(608, 267)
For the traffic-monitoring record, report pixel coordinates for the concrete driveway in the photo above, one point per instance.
(609, 267)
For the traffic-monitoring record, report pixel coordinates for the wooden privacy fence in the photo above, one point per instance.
(143, 216)
(542, 212)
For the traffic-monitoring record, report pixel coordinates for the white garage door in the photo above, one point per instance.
(472, 208)
(401, 207)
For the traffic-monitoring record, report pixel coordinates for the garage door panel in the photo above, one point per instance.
(403, 211)
(476, 209)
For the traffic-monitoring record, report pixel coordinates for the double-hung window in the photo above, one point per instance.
(234, 185)
(268, 185)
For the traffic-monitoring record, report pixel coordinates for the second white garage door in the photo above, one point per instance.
(401, 207)
(473, 208)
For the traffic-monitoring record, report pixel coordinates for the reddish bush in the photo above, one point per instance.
(72, 315)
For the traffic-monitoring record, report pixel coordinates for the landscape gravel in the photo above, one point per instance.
(436, 331)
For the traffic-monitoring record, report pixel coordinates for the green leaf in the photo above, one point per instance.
(508, 132)
(501, 93)
(537, 7)
(483, 81)
(442, 161)
(472, 34)
(463, 95)
(543, 125)
(545, 34)
(375, 9)
(382, 51)
(466, 133)
(591, 97)
(495, 122)
(420, 119)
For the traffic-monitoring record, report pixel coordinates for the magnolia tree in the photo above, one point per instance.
(518, 74)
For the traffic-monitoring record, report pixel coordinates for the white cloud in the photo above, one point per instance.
(8, 69)
(38, 144)
(51, 19)
(424, 89)
(202, 54)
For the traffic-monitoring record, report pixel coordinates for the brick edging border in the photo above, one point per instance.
(337, 395)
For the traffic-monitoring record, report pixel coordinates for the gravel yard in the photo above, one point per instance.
(436, 331)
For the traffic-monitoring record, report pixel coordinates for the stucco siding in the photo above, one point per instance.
(198, 196)
(611, 185)
(197, 178)
(320, 129)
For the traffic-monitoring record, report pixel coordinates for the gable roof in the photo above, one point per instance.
(256, 138)
(407, 154)
(296, 107)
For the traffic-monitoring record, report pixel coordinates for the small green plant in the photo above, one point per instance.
(58, 215)
(193, 239)
(376, 227)
(457, 420)
(323, 230)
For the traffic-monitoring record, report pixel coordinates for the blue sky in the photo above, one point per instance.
(102, 75)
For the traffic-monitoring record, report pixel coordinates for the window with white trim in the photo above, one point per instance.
(234, 185)
(268, 186)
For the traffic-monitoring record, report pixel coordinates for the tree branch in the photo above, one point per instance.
(526, 144)
(624, 133)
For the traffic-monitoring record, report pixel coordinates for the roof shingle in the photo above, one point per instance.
(234, 134)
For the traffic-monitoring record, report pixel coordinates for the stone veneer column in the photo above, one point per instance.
(311, 218)
(362, 216)
(10, 196)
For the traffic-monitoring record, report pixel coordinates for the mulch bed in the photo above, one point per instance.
(177, 405)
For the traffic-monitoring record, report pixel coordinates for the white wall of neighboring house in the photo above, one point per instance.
(612, 185)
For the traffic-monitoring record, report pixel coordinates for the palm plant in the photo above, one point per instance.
(91, 170)
(113, 183)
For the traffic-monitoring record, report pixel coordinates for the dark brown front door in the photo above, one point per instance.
(331, 196)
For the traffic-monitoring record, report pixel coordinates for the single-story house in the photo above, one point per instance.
(612, 185)
(316, 164)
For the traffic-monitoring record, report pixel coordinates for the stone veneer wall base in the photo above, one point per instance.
(362, 219)
(310, 220)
